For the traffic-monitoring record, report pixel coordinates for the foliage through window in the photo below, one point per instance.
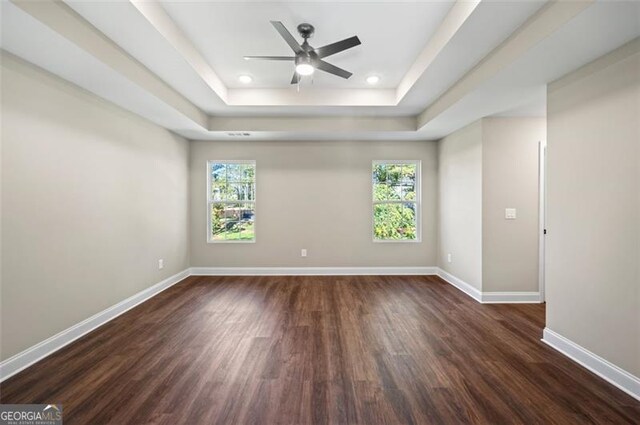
(231, 201)
(396, 200)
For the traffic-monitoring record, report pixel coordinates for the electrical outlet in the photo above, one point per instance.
(303, 252)
(448, 257)
(160, 264)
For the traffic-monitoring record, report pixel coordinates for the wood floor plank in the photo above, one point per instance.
(319, 350)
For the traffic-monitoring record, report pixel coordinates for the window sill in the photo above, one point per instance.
(397, 241)
(226, 242)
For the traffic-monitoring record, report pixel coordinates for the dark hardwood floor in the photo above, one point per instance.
(340, 349)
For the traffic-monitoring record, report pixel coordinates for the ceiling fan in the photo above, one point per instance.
(307, 59)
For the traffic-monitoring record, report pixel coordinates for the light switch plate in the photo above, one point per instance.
(510, 213)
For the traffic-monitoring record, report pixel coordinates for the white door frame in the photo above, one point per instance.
(542, 215)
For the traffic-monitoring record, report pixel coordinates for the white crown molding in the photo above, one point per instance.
(34, 354)
(611, 373)
(311, 271)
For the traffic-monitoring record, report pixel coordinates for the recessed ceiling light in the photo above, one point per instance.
(373, 79)
(245, 79)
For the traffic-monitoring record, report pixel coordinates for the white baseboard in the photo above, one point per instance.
(490, 297)
(511, 298)
(611, 373)
(31, 355)
(461, 285)
(311, 271)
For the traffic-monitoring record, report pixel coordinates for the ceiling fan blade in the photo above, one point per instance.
(337, 47)
(270, 58)
(296, 78)
(332, 69)
(291, 41)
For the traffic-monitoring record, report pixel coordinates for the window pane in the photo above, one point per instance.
(217, 222)
(385, 219)
(234, 192)
(218, 191)
(394, 221)
(394, 173)
(222, 192)
(379, 173)
(247, 191)
(234, 172)
(247, 222)
(380, 192)
(232, 222)
(384, 192)
(408, 226)
(409, 174)
(249, 173)
(218, 172)
(409, 192)
(251, 191)
(395, 193)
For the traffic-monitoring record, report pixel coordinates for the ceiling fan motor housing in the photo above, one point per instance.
(306, 30)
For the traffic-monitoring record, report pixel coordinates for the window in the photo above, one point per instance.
(396, 201)
(231, 201)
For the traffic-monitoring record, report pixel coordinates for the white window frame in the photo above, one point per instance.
(211, 201)
(417, 201)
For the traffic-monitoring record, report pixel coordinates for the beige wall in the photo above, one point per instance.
(313, 195)
(460, 205)
(593, 215)
(484, 168)
(92, 197)
(510, 180)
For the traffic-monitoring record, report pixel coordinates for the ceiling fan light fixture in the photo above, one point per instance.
(305, 69)
(373, 80)
(303, 65)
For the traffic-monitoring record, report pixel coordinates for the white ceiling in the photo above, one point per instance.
(222, 32)
(392, 35)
